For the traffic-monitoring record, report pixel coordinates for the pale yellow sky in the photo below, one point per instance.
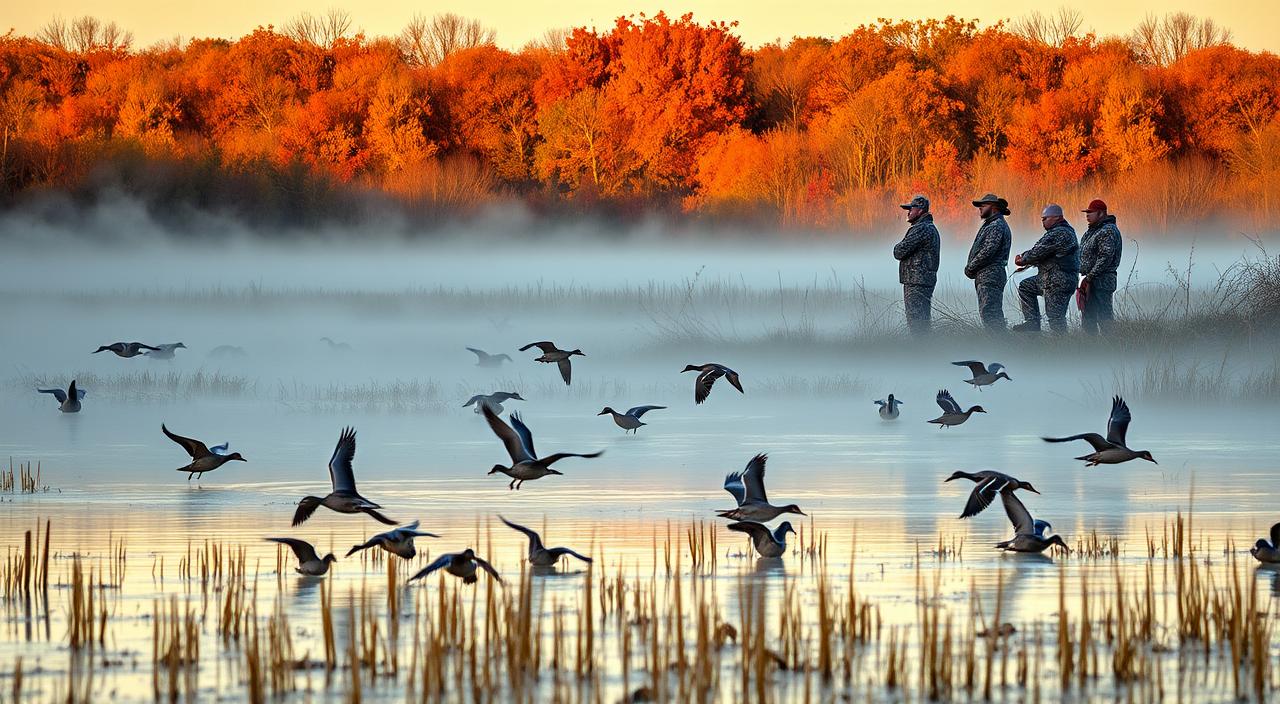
(1253, 22)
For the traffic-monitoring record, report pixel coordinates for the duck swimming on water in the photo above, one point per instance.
(1111, 449)
(767, 543)
(1028, 535)
(309, 563)
(69, 400)
(888, 408)
(631, 419)
(518, 440)
(983, 375)
(1263, 551)
(344, 498)
(747, 488)
(126, 349)
(951, 413)
(550, 353)
(989, 484)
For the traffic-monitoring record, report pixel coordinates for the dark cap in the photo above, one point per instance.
(917, 202)
(1096, 205)
(991, 198)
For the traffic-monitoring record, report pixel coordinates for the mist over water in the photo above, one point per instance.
(813, 328)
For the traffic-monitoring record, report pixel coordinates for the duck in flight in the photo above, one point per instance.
(1028, 534)
(203, 458)
(631, 419)
(983, 375)
(550, 353)
(336, 346)
(126, 349)
(344, 498)
(398, 542)
(484, 359)
(69, 400)
(951, 413)
(888, 408)
(309, 563)
(166, 351)
(539, 554)
(459, 564)
(767, 543)
(1111, 449)
(1268, 552)
(989, 484)
(707, 375)
(525, 463)
(493, 400)
(747, 488)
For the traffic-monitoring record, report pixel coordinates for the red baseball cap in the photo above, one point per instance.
(1095, 205)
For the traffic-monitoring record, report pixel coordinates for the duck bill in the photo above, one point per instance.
(1152, 460)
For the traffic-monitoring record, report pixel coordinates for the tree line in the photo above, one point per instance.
(652, 114)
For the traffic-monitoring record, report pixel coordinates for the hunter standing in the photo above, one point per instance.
(917, 256)
(1057, 256)
(988, 257)
(1099, 262)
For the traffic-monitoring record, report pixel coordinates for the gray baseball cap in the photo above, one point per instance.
(1051, 210)
(917, 202)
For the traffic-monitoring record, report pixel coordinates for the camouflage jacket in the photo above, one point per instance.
(917, 253)
(1100, 253)
(990, 253)
(1057, 255)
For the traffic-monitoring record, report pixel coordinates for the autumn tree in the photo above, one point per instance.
(321, 30)
(1163, 40)
(85, 34)
(1050, 29)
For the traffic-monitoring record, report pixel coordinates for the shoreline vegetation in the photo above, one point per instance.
(310, 124)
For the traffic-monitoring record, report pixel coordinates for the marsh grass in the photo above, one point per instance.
(147, 385)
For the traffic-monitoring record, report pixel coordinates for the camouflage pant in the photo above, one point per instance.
(991, 306)
(1056, 300)
(918, 302)
(1098, 313)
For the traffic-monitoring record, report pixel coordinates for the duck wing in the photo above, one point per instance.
(73, 392)
(442, 561)
(1018, 514)
(983, 494)
(733, 484)
(194, 447)
(373, 513)
(546, 346)
(303, 550)
(474, 399)
(535, 540)
(510, 439)
(1118, 424)
(341, 475)
(566, 370)
(702, 385)
(526, 435)
(641, 410)
(552, 459)
(220, 449)
(947, 403)
(561, 552)
(976, 367)
(481, 355)
(58, 394)
(732, 377)
(753, 478)
(1099, 443)
(484, 565)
